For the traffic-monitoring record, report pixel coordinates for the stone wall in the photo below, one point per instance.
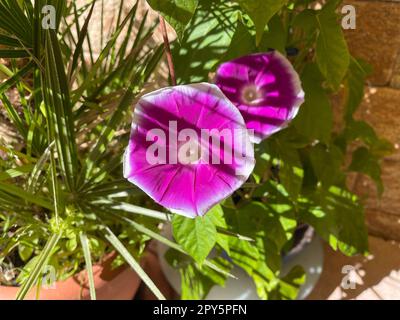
(377, 40)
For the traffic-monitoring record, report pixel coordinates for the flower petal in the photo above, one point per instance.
(266, 89)
(193, 188)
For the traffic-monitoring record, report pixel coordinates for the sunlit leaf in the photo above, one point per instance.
(178, 13)
(196, 236)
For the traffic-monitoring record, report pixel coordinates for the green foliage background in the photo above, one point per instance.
(301, 172)
(63, 201)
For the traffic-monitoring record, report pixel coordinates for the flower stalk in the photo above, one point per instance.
(168, 52)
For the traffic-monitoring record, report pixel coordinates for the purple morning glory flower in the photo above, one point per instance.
(189, 148)
(266, 89)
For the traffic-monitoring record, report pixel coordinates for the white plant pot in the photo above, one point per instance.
(310, 258)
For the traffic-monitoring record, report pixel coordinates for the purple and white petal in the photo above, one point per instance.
(266, 89)
(189, 148)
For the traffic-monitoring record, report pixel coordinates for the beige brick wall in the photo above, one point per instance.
(377, 40)
(376, 37)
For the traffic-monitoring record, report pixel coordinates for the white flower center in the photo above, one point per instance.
(251, 95)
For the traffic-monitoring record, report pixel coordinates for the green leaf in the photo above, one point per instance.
(14, 54)
(216, 215)
(291, 283)
(72, 242)
(196, 280)
(81, 39)
(361, 130)
(177, 13)
(130, 208)
(14, 77)
(357, 73)
(193, 285)
(273, 227)
(326, 164)
(357, 129)
(14, 21)
(59, 109)
(333, 56)
(173, 245)
(13, 115)
(364, 162)
(87, 82)
(244, 254)
(88, 261)
(38, 169)
(205, 41)
(17, 172)
(196, 236)
(108, 131)
(216, 276)
(22, 194)
(9, 41)
(117, 244)
(338, 217)
(287, 159)
(306, 20)
(261, 11)
(242, 43)
(315, 118)
(26, 270)
(275, 37)
(38, 266)
(25, 251)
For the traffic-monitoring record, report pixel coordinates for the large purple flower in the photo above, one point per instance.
(265, 88)
(189, 148)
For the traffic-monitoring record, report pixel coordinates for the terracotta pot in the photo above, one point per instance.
(152, 267)
(118, 284)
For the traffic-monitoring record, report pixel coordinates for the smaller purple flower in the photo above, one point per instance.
(266, 89)
(189, 148)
